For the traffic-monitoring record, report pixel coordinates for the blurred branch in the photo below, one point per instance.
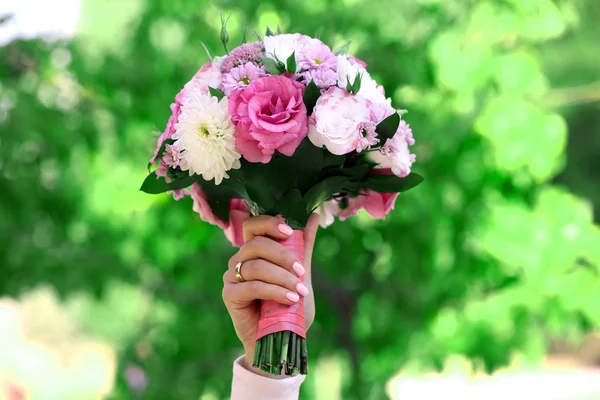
(571, 96)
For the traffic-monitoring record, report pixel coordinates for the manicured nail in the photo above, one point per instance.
(293, 297)
(298, 269)
(286, 230)
(303, 290)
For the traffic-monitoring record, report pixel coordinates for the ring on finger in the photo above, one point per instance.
(238, 272)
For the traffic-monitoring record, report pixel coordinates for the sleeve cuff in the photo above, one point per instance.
(247, 385)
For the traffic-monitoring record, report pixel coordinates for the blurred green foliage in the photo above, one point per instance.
(494, 255)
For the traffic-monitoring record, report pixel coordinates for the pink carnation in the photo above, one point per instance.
(323, 78)
(269, 115)
(317, 56)
(238, 212)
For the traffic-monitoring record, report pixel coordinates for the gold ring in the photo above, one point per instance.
(238, 272)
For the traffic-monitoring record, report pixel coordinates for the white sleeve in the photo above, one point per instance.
(247, 385)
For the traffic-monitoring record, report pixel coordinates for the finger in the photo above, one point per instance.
(269, 250)
(266, 225)
(264, 271)
(246, 292)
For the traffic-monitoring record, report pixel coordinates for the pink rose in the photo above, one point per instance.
(238, 212)
(209, 75)
(269, 115)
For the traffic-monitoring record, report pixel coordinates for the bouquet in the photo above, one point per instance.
(283, 126)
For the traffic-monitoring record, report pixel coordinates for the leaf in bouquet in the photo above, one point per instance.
(155, 185)
(269, 32)
(291, 207)
(392, 183)
(332, 160)
(301, 169)
(262, 184)
(323, 190)
(218, 197)
(291, 63)
(163, 147)
(217, 93)
(355, 173)
(388, 127)
(343, 49)
(311, 95)
(278, 31)
(272, 65)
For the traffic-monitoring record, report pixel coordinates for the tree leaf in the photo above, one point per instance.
(291, 63)
(392, 183)
(271, 65)
(311, 95)
(155, 185)
(388, 127)
(216, 93)
(343, 49)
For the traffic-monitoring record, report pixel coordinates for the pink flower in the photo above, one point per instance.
(202, 207)
(208, 75)
(248, 52)
(170, 156)
(368, 137)
(240, 77)
(337, 120)
(269, 115)
(319, 56)
(395, 154)
(355, 60)
(323, 78)
(238, 213)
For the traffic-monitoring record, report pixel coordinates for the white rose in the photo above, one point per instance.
(336, 119)
(369, 89)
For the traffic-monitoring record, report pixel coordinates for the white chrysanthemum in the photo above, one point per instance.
(205, 136)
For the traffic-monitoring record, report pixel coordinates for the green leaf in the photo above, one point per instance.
(155, 185)
(301, 170)
(323, 190)
(343, 49)
(269, 32)
(392, 183)
(278, 31)
(271, 65)
(216, 93)
(291, 63)
(291, 208)
(311, 95)
(218, 197)
(388, 127)
(357, 83)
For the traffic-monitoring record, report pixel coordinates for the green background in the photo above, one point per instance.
(496, 254)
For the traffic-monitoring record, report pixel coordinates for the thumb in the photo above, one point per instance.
(310, 234)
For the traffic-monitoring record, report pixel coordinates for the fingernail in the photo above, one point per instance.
(303, 290)
(298, 269)
(286, 230)
(293, 297)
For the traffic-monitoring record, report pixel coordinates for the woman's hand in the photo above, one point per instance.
(272, 272)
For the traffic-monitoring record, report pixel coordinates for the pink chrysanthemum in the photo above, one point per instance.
(323, 78)
(240, 77)
(368, 136)
(248, 52)
(317, 57)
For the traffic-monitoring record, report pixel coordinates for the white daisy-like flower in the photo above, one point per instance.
(205, 135)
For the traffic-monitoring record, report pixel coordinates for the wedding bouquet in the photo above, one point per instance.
(283, 126)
